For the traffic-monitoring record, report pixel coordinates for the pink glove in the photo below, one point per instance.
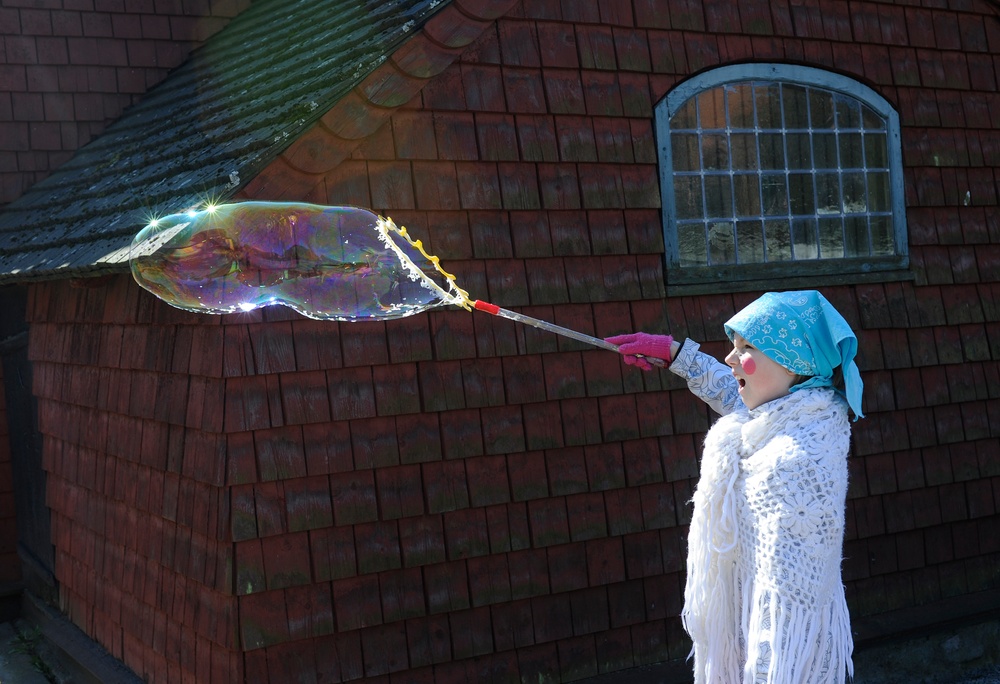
(636, 347)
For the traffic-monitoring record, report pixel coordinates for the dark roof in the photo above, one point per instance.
(204, 132)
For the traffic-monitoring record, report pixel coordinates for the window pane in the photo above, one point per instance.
(848, 112)
(855, 199)
(718, 197)
(750, 242)
(684, 148)
(721, 243)
(795, 108)
(850, 151)
(691, 244)
(804, 238)
(772, 150)
(747, 192)
(876, 154)
(779, 243)
(686, 116)
(831, 238)
(743, 148)
(878, 192)
(821, 108)
(871, 119)
(768, 99)
(856, 236)
(715, 152)
(687, 197)
(825, 149)
(828, 193)
(775, 195)
(881, 232)
(800, 194)
(799, 151)
(711, 109)
(741, 106)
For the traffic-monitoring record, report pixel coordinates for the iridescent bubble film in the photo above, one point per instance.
(336, 263)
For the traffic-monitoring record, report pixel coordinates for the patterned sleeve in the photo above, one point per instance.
(708, 378)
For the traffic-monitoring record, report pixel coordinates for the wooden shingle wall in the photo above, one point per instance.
(130, 408)
(68, 68)
(453, 497)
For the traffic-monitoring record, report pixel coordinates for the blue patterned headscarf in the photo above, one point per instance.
(803, 333)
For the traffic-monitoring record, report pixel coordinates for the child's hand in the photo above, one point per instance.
(638, 348)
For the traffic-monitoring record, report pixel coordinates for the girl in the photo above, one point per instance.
(764, 600)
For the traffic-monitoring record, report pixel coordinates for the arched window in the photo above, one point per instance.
(772, 172)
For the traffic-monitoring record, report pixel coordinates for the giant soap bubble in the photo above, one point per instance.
(334, 263)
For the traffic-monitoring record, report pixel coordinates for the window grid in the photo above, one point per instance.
(785, 129)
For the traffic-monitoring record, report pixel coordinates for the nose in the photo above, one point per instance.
(732, 358)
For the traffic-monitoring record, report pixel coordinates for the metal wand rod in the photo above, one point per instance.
(553, 328)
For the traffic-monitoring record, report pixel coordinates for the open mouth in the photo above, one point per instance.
(742, 382)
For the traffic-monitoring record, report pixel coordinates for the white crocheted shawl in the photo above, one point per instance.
(764, 600)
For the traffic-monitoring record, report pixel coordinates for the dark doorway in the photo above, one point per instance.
(34, 538)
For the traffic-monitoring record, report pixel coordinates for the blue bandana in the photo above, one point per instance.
(803, 333)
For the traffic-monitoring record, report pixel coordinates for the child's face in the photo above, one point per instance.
(761, 379)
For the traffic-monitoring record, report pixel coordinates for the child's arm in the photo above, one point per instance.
(708, 378)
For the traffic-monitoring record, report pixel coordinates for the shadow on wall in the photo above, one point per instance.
(967, 653)
(961, 653)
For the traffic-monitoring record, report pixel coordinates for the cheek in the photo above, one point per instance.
(749, 365)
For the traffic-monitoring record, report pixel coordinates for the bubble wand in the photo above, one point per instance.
(386, 227)
(328, 263)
